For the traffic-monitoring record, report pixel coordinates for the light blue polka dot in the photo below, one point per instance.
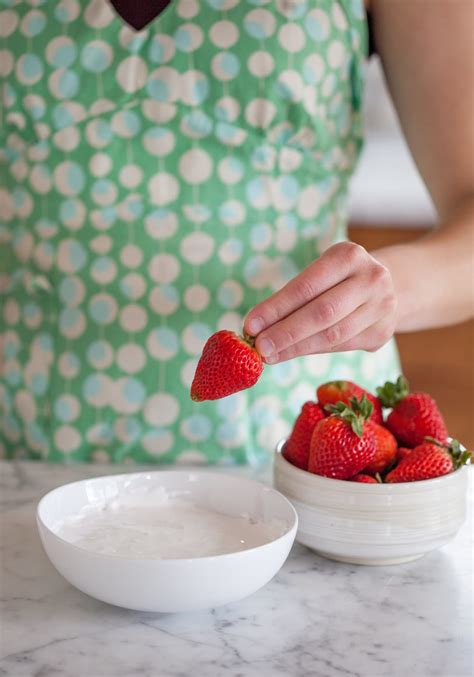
(227, 296)
(31, 66)
(68, 84)
(229, 433)
(158, 89)
(34, 25)
(170, 293)
(75, 177)
(37, 111)
(100, 310)
(255, 190)
(226, 132)
(134, 391)
(103, 130)
(73, 362)
(198, 123)
(200, 90)
(62, 409)
(45, 342)
(131, 121)
(69, 318)
(36, 434)
(132, 427)
(39, 384)
(76, 254)
(228, 211)
(91, 386)
(137, 42)
(12, 375)
(289, 187)
(235, 247)
(229, 63)
(260, 235)
(97, 351)
(69, 290)
(31, 310)
(156, 52)
(197, 427)
(167, 338)
(314, 27)
(10, 349)
(183, 39)
(256, 30)
(64, 55)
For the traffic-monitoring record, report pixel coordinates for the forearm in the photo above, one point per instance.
(434, 276)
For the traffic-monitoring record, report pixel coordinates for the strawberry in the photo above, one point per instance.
(341, 444)
(402, 452)
(414, 416)
(429, 459)
(228, 363)
(297, 446)
(385, 449)
(366, 479)
(342, 391)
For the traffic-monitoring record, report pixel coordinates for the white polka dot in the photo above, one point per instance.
(8, 22)
(7, 208)
(100, 164)
(197, 248)
(161, 224)
(163, 84)
(133, 286)
(61, 52)
(224, 34)
(161, 409)
(164, 300)
(231, 321)
(133, 318)
(67, 438)
(162, 48)
(163, 268)
(29, 69)
(158, 112)
(230, 251)
(230, 294)
(99, 14)
(290, 85)
(158, 442)
(260, 23)
(101, 244)
(188, 37)
(67, 139)
(131, 256)
(261, 64)
(40, 179)
(187, 9)
(25, 405)
(11, 311)
(292, 37)
(103, 270)
(68, 365)
(131, 176)
(131, 358)
(336, 54)
(196, 298)
(317, 24)
(329, 85)
(187, 372)
(194, 337)
(71, 256)
(158, 141)
(103, 308)
(127, 395)
(260, 113)
(67, 408)
(194, 87)
(339, 17)
(227, 109)
(317, 365)
(100, 354)
(132, 74)
(269, 435)
(6, 62)
(163, 188)
(69, 178)
(195, 166)
(309, 202)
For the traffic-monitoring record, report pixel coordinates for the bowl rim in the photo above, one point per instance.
(396, 487)
(289, 531)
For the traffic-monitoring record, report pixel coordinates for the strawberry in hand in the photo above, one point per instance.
(296, 449)
(228, 363)
(342, 444)
(343, 391)
(428, 460)
(414, 416)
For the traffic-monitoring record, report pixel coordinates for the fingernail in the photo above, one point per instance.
(255, 326)
(271, 359)
(266, 348)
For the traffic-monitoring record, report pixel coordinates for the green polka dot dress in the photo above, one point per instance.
(154, 186)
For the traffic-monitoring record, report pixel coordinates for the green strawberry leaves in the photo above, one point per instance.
(391, 394)
(356, 413)
(459, 454)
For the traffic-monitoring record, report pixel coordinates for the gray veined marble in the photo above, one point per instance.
(316, 618)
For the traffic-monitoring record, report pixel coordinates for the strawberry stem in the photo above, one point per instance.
(458, 453)
(250, 340)
(391, 394)
(356, 414)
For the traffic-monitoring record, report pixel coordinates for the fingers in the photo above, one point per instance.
(362, 330)
(336, 264)
(324, 312)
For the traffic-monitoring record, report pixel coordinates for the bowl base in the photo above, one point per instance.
(368, 561)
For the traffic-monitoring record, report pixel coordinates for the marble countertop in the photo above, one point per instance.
(317, 618)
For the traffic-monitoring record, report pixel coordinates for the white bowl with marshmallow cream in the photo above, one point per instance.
(167, 541)
(373, 523)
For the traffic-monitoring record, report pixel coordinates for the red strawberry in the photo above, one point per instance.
(342, 391)
(428, 460)
(402, 452)
(341, 444)
(228, 363)
(414, 416)
(366, 479)
(385, 449)
(297, 446)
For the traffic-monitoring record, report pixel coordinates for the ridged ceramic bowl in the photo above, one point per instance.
(373, 524)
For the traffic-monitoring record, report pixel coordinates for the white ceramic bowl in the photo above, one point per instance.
(373, 524)
(169, 585)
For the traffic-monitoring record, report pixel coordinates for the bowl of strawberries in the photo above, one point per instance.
(375, 479)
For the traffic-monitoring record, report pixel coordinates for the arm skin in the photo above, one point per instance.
(350, 299)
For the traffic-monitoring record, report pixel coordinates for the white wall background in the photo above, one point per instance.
(386, 187)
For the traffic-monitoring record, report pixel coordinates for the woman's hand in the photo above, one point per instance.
(343, 301)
